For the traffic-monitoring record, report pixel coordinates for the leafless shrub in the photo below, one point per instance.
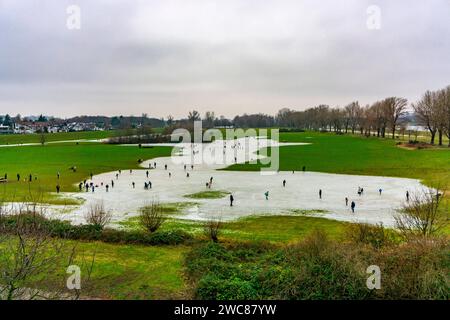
(422, 215)
(27, 258)
(23, 257)
(98, 216)
(212, 229)
(151, 216)
(33, 203)
(33, 264)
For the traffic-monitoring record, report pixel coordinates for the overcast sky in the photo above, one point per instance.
(167, 57)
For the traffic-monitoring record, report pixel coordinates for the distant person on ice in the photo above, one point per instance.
(320, 194)
(284, 183)
(407, 196)
(346, 201)
(231, 200)
(267, 195)
(380, 191)
(353, 205)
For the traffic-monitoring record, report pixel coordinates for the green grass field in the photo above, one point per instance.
(136, 272)
(60, 136)
(44, 162)
(275, 229)
(64, 136)
(348, 154)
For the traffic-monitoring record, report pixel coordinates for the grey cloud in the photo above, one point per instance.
(169, 56)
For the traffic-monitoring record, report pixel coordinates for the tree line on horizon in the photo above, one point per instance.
(432, 111)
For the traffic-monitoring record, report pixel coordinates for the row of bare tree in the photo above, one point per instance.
(433, 112)
(379, 117)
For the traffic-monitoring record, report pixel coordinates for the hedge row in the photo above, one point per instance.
(65, 230)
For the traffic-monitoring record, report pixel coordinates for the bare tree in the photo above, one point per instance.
(422, 214)
(351, 115)
(151, 217)
(212, 229)
(443, 107)
(446, 112)
(426, 113)
(208, 120)
(170, 120)
(394, 108)
(29, 252)
(194, 115)
(379, 118)
(336, 118)
(98, 216)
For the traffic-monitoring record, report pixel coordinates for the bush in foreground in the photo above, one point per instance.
(90, 232)
(151, 217)
(319, 268)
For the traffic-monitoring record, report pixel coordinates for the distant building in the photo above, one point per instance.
(415, 128)
(5, 129)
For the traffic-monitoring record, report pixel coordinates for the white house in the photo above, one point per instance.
(5, 129)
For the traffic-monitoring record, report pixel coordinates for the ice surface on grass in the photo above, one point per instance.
(248, 188)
